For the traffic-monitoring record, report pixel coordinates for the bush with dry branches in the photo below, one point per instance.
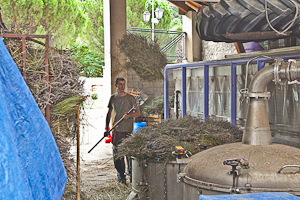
(143, 56)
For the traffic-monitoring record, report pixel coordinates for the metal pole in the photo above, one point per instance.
(183, 89)
(78, 156)
(233, 93)
(260, 65)
(152, 20)
(24, 56)
(166, 94)
(206, 88)
(47, 76)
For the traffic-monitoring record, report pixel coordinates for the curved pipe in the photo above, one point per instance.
(257, 127)
(261, 79)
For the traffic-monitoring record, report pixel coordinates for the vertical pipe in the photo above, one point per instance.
(24, 56)
(206, 90)
(47, 77)
(233, 93)
(166, 94)
(152, 20)
(260, 65)
(183, 89)
(184, 45)
(78, 155)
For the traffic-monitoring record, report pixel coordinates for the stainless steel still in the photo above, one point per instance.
(257, 128)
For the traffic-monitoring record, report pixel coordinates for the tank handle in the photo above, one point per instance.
(285, 166)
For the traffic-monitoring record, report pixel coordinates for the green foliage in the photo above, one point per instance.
(94, 96)
(62, 19)
(89, 63)
(136, 8)
(94, 32)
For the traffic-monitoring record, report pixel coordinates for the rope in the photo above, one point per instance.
(246, 90)
(282, 32)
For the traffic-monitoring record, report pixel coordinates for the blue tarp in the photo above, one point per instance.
(30, 163)
(251, 196)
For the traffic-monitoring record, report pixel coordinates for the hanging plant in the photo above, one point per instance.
(143, 56)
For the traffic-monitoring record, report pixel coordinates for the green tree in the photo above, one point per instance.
(136, 8)
(94, 32)
(89, 63)
(64, 20)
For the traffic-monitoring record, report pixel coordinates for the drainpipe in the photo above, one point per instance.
(257, 128)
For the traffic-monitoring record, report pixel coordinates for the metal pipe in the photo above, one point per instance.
(177, 103)
(47, 112)
(257, 128)
(183, 94)
(78, 155)
(233, 93)
(24, 56)
(260, 65)
(206, 91)
(262, 79)
(166, 94)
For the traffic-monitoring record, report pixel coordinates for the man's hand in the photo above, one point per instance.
(126, 116)
(106, 133)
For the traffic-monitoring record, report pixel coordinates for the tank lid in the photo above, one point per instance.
(264, 163)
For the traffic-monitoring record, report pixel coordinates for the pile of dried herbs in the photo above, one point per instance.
(158, 141)
(144, 56)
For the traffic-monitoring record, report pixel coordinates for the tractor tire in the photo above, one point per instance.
(216, 21)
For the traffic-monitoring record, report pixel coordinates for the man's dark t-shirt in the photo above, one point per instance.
(122, 105)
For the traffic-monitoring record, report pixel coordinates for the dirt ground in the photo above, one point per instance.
(98, 176)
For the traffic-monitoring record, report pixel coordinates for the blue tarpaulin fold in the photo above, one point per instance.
(30, 163)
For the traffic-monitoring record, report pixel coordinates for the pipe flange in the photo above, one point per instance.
(277, 67)
(292, 70)
(257, 95)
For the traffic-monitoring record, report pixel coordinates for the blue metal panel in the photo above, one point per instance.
(251, 196)
(233, 93)
(260, 61)
(260, 65)
(206, 90)
(183, 93)
(166, 94)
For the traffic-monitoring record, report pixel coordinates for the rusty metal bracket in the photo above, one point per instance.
(24, 38)
(257, 95)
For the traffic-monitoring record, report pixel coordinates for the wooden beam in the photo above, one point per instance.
(193, 5)
(239, 47)
(181, 5)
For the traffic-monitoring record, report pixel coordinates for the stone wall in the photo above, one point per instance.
(217, 50)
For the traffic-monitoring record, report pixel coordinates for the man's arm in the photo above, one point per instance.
(132, 114)
(108, 116)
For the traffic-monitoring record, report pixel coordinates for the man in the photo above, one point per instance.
(121, 102)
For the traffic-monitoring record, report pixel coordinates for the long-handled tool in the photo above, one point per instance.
(118, 122)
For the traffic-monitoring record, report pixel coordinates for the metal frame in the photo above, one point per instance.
(181, 35)
(47, 111)
(206, 64)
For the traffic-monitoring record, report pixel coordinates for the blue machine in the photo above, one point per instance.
(251, 196)
(138, 125)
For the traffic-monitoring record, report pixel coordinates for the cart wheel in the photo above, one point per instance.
(217, 20)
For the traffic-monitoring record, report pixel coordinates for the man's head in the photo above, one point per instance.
(120, 84)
